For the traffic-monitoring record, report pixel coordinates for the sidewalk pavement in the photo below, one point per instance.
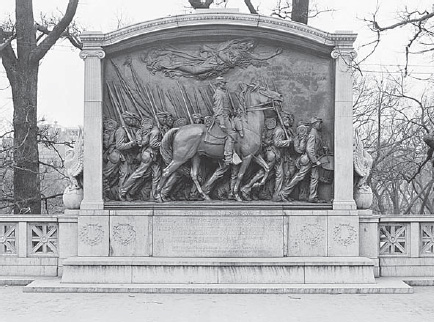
(17, 306)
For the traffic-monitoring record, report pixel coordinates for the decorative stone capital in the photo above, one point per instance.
(85, 53)
(343, 52)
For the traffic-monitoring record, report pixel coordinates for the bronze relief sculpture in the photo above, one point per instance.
(185, 132)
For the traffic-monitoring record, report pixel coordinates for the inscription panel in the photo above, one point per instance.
(216, 236)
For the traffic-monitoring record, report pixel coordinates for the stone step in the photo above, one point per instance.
(21, 280)
(381, 286)
(152, 270)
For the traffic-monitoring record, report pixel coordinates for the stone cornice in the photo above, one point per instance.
(265, 23)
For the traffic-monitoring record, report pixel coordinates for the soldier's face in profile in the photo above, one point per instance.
(287, 121)
(106, 139)
(129, 121)
(169, 121)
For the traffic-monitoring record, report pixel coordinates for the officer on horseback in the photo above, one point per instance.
(223, 112)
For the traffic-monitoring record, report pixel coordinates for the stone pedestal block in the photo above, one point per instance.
(307, 236)
(68, 236)
(130, 233)
(369, 237)
(295, 270)
(93, 235)
(343, 236)
(218, 236)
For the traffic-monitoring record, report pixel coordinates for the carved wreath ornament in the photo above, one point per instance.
(91, 234)
(312, 234)
(345, 234)
(124, 234)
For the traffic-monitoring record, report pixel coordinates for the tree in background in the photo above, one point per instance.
(396, 117)
(420, 24)
(22, 46)
(390, 121)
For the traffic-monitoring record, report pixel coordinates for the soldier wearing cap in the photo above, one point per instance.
(148, 140)
(308, 162)
(197, 118)
(127, 148)
(284, 147)
(164, 119)
(276, 149)
(182, 121)
(222, 113)
(111, 157)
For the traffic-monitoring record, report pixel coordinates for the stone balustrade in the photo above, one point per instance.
(36, 245)
(406, 245)
(30, 244)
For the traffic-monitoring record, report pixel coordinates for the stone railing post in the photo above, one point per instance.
(92, 176)
(343, 136)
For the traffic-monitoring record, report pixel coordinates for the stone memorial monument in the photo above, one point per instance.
(218, 149)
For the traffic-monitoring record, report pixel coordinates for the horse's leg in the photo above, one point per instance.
(172, 167)
(241, 171)
(266, 166)
(218, 173)
(195, 163)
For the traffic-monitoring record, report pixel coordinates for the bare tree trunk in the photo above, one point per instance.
(300, 11)
(26, 155)
(251, 7)
(24, 94)
(22, 70)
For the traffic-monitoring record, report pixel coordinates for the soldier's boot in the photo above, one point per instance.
(122, 195)
(228, 151)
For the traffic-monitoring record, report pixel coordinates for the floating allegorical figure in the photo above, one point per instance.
(148, 140)
(309, 163)
(208, 61)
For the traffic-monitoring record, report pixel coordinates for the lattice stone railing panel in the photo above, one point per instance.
(394, 239)
(43, 239)
(427, 239)
(8, 237)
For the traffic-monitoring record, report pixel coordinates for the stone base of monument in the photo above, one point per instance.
(290, 270)
(381, 286)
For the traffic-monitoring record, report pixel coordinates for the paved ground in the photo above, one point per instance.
(22, 307)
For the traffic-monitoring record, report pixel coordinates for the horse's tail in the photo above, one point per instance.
(166, 147)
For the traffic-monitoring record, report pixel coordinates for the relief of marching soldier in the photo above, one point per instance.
(278, 151)
(199, 136)
(220, 141)
(311, 150)
(148, 140)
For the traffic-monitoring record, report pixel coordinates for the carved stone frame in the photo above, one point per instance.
(339, 45)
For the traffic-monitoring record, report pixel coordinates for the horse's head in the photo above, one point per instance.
(263, 96)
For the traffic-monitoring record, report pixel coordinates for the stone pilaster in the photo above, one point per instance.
(343, 136)
(93, 188)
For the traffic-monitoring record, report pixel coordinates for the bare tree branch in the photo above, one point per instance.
(56, 33)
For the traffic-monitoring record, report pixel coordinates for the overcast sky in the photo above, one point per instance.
(61, 73)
